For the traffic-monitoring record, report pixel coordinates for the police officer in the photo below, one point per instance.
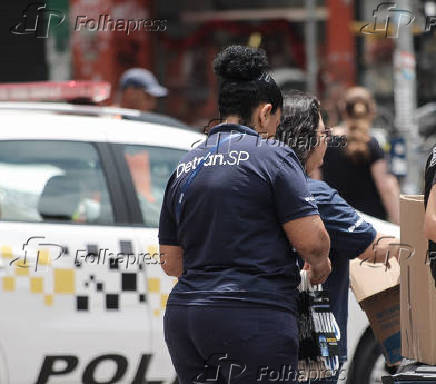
(430, 209)
(303, 128)
(234, 210)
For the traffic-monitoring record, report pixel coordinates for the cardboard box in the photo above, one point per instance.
(368, 279)
(377, 290)
(418, 292)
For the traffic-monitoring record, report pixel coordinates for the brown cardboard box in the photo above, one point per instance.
(418, 292)
(368, 279)
(376, 288)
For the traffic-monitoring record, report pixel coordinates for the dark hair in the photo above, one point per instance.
(299, 125)
(244, 82)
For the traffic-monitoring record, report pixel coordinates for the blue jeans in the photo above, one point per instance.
(231, 345)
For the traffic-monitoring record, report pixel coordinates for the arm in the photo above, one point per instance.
(382, 248)
(171, 253)
(298, 215)
(430, 216)
(350, 235)
(309, 237)
(387, 186)
(171, 259)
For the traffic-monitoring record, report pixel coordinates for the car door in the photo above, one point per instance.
(75, 306)
(145, 171)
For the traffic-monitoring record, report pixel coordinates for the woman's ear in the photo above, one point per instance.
(264, 115)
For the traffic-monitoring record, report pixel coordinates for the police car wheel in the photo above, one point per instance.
(368, 364)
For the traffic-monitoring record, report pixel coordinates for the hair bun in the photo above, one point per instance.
(240, 63)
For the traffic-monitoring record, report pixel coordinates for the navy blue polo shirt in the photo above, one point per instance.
(235, 249)
(350, 235)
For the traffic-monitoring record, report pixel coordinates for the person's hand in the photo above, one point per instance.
(318, 273)
(171, 259)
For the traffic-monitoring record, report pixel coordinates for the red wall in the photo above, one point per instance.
(341, 53)
(104, 55)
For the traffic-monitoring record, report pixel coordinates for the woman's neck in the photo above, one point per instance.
(232, 120)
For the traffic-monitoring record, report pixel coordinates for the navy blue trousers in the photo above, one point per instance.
(232, 345)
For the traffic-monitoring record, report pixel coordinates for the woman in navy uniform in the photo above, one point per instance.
(235, 212)
(350, 235)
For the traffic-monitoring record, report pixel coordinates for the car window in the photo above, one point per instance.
(150, 168)
(58, 181)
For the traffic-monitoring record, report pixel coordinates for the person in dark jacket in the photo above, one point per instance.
(351, 236)
(235, 212)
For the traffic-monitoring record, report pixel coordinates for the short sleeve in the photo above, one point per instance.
(291, 194)
(376, 152)
(167, 221)
(350, 235)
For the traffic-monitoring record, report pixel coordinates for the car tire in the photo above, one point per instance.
(367, 356)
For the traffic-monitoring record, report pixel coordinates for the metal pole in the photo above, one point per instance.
(311, 45)
(405, 99)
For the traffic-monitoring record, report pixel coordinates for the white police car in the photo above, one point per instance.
(82, 293)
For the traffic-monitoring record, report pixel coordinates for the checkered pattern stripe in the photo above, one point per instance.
(108, 286)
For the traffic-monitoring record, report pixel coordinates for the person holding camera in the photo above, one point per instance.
(358, 170)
